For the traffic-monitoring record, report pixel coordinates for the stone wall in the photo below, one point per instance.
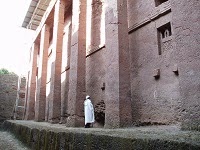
(42, 136)
(160, 44)
(8, 94)
(186, 25)
(95, 76)
(155, 100)
(164, 51)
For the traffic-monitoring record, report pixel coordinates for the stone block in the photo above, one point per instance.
(156, 73)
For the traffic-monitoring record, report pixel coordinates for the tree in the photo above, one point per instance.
(5, 71)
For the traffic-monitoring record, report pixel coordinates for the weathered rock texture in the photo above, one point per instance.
(8, 93)
(187, 38)
(154, 100)
(20, 100)
(43, 136)
(140, 57)
(9, 142)
(163, 38)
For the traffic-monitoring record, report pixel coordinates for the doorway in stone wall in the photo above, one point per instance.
(99, 109)
(100, 113)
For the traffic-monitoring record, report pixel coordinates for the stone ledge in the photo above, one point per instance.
(94, 50)
(41, 135)
(159, 11)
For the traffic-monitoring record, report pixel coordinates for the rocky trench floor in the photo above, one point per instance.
(9, 142)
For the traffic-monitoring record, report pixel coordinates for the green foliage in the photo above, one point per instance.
(5, 71)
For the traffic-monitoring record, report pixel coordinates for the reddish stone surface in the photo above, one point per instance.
(30, 107)
(118, 94)
(77, 65)
(66, 51)
(186, 26)
(95, 76)
(55, 88)
(95, 53)
(144, 66)
(40, 102)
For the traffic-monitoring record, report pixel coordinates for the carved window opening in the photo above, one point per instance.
(158, 2)
(164, 34)
(165, 30)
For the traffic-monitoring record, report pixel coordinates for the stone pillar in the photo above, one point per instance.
(118, 93)
(76, 94)
(65, 70)
(30, 107)
(186, 31)
(42, 75)
(26, 93)
(55, 89)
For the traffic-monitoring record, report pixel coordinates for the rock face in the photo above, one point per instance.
(140, 57)
(187, 29)
(42, 136)
(164, 73)
(8, 92)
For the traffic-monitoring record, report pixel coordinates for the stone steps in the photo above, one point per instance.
(45, 136)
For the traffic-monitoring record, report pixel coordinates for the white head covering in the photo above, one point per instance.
(87, 97)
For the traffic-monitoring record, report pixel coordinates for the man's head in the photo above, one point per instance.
(87, 97)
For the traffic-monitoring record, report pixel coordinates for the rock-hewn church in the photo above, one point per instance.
(138, 60)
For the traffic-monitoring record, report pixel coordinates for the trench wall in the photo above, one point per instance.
(46, 136)
(8, 94)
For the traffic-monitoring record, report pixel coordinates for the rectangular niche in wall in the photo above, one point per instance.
(164, 38)
(158, 2)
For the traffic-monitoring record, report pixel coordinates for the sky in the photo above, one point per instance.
(15, 41)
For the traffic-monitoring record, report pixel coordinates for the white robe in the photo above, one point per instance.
(88, 111)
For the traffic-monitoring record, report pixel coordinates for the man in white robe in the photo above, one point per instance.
(89, 112)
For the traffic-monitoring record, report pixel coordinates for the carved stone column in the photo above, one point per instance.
(30, 107)
(77, 65)
(117, 88)
(42, 75)
(55, 89)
